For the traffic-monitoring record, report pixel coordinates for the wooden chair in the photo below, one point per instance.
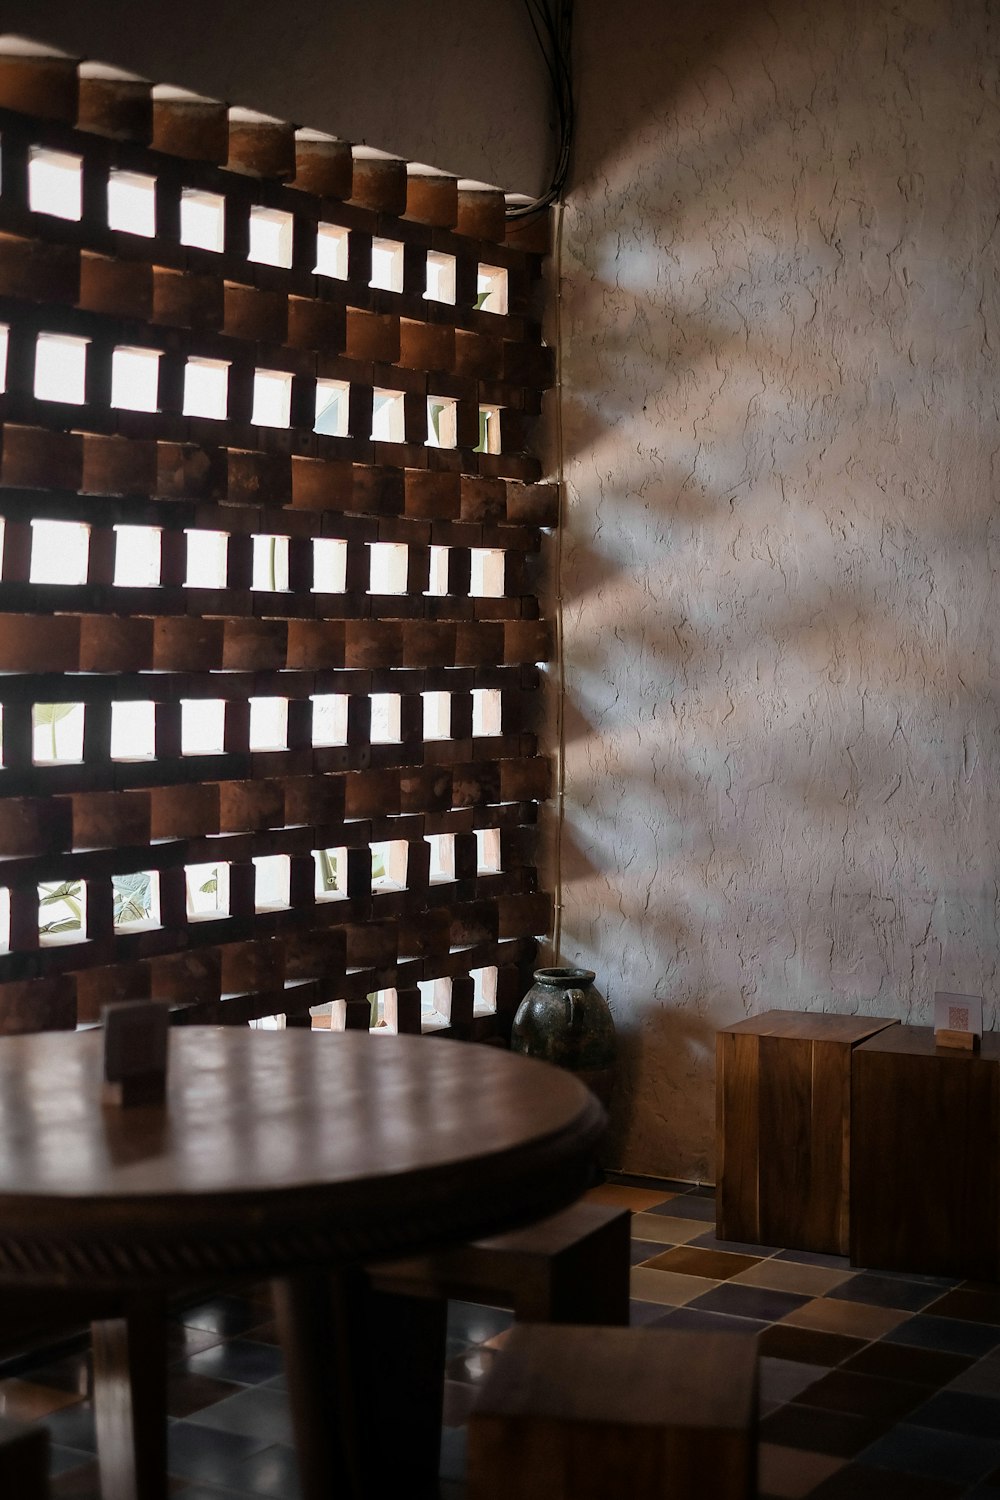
(584, 1413)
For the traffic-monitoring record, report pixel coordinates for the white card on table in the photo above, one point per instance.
(958, 1012)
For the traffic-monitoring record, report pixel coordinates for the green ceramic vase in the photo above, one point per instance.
(563, 1020)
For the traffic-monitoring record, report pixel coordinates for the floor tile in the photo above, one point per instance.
(808, 1345)
(641, 1312)
(978, 1306)
(832, 1315)
(252, 1413)
(188, 1393)
(928, 1367)
(210, 1457)
(750, 1302)
(273, 1473)
(960, 1411)
(864, 1395)
(664, 1229)
(886, 1291)
(840, 1433)
(73, 1427)
(715, 1265)
(665, 1286)
(640, 1200)
(981, 1377)
(474, 1323)
(950, 1334)
(643, 1250)
(937, 1455)
(859, 1482)
(237, 1360)
(688, 1206)
(63, 1460)
(709, 1322)
(25, 1401)
(738, 1247)
(816, 1258)
(791, 1473)
(783, 1379)
(228, 1316)
(786, 1276)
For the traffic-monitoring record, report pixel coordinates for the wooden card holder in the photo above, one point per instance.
(135, 1053)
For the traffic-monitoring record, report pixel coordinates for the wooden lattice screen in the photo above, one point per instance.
(268, 639)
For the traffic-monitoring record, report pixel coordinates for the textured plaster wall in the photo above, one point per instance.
(782, 318)
(458, 84)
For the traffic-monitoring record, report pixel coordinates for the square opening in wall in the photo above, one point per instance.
(442, 422)
(484, 1001)
(137, 557)
(437, 715)
(132, 203)
(133, 730)
(268, 723)
(272, 398)
(331, 874)
(485, 712)
(62, 912)
(203, 726)
(385, 718)
(437, 583)
(268, 1023)
(388, 563)
(59, 552)
(387, 265)
(61, 368)
(207, 889)
(203, 220)
(206, 388)
(389, 865)
(4, 919)
(135, 379)
(489, 430)
(382, 1002)
(332, 407)
(55, 183)
(331, 251)
(491, 289)
(442, 861)
(207, 553)
(272, 886)
(4, 345)
(487, 573)
(270, 237)
(270, 564)
(329, 718)
(435, 1004)
(440, 277)
(329, 565)
(136, 899)
(388, 420)
(488, 850)
(57, 733)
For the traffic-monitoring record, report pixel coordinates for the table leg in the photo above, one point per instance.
(365, 1376)
(130, 1401)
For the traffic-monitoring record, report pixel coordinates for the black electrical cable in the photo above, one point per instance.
(552, 24)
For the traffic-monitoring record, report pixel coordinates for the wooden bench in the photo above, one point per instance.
(587, 1413)
(783, 1128)
(24, 1460)
(570, 1268)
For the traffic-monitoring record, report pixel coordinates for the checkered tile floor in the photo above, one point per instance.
(873, 1386)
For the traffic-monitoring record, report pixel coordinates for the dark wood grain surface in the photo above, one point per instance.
(275, 1149)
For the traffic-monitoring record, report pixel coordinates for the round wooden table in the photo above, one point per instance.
(286, 1154)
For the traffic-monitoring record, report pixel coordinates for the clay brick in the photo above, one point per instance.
(323, 166)
(371, 794)
(377, 491)
(432, 200)
(379, 183)
(529, 364)
(35, 459)
(373, 643)
(187, 645)
(428, 643)
(314, 324)
(532, 234)
(250, 806)
(121, 288)
(427, 346)
(254, 645)
(39, 272)
(528, 780)
(38, 1005)
(118, 107)
(314, 644)
(261, 148)
(479, 644)
(478, 356)
(525, 914)
(318, 484)
(260, 317)
(108, 985)
(483, 500)
(184, 812)
(39, 643)
(34, 825)
(118, 466)
(197, 129)
(257, 965)
(481, 214)
(317, 801)
(189, 978)
(42, 86)
(105, 820)
(475, 785)
(533, 504)
(318, 954)
(112, 643)
(372, 337)
(257, 478)
(430, 495)
(186, 472)
(183, 300)
(527, 641)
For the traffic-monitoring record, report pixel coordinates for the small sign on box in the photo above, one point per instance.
(958, 1021)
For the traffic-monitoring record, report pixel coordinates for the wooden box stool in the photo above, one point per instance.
(925, 1184)
(24, 1460)
(588, 1413)
(783, 1128)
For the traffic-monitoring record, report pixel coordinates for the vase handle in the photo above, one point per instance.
(574, 1009)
